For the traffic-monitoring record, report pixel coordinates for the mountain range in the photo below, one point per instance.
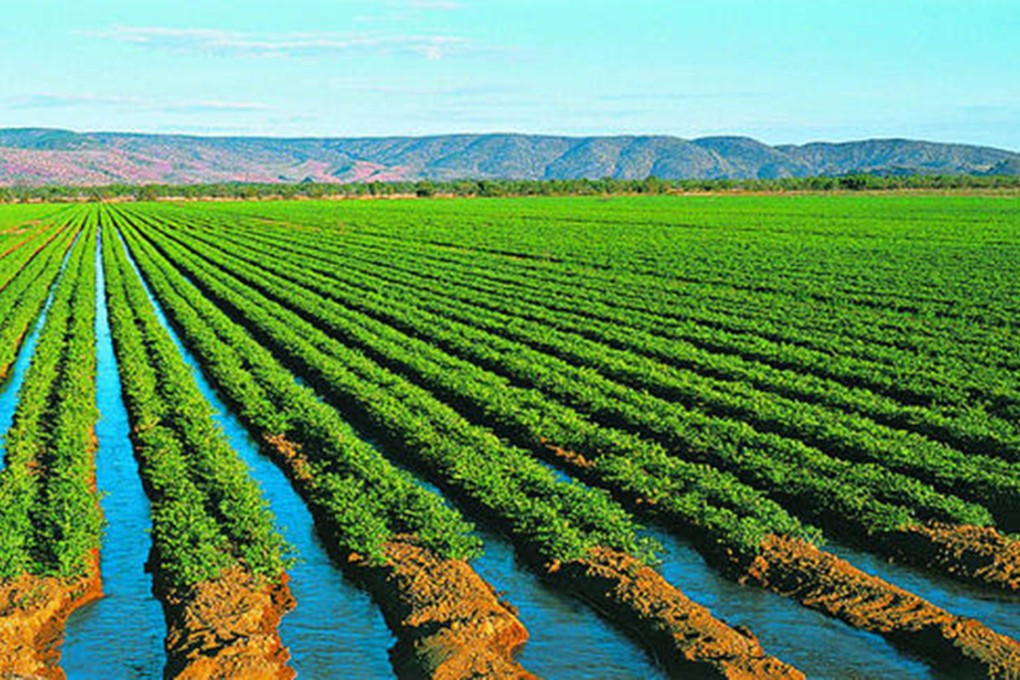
(34, 156)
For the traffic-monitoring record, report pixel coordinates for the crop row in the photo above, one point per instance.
(847, 436)
(728, 512)
(849, 497)
(217, 559)
(49, 513)
(358, 365)
(208, 515)
(22, 300)
(376, 517)
(50, 519)
(899, 392)
(358, 489)
(554, 522)
(14, 259)
(786, 261)
(703, 357)
(843, 328)
(649, 299)
(504, 480)
(825, 326)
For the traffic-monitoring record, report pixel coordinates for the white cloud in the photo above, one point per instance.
(435, 4)
(75, 100)
(282, 44)
(56, 101)
(216, 106)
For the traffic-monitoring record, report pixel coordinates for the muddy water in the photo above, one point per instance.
(122, 633)
(335, 629)
(819, 646)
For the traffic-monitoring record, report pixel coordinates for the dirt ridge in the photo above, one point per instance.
(824, 582)
(227, 628)
(967, 553)
(689, 641)
(449, 622)
(33, 612)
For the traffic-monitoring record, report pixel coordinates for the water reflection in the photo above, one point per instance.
(335, 630)
(120, 635)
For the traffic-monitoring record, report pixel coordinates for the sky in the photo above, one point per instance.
(782, 71)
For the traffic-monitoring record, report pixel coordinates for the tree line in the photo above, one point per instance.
(499, 187)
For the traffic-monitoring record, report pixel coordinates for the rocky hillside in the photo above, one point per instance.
(41, 156)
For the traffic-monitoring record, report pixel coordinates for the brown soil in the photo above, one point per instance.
(227, 628)
(5, 370)
(824, 582)
(688, 640)
(33, 611)
(973, 554)
(289, 453)
(448, 621)
(967, 553)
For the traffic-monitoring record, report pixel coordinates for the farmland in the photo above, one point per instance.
(717, 436)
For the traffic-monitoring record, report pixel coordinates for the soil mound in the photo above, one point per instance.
(965, 552)
(824, 582)
(227, 628)
(449, 622)
(688, 639)
(33, 612)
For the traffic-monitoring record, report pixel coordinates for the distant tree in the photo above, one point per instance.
(853, 182)
(147, 193)
(488, 188)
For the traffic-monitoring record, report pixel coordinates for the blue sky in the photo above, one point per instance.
(783, 71)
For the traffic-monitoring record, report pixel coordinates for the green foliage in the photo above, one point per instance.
(365, 498)
(553, 518)
(744, 366)
(489, 188)
(49, 515)
(207, 511)
(740, 397)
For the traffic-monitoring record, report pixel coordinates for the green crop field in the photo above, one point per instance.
(819, 394)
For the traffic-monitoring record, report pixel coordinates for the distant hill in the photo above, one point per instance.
(44, 156)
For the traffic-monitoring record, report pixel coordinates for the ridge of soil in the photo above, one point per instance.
(966, 553)
(822, 581)
(227, 628)
(449, 622)
(33, 611)
(688, 640)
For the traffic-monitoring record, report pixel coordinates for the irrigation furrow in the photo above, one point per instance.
(468, 487)
(916, 641)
